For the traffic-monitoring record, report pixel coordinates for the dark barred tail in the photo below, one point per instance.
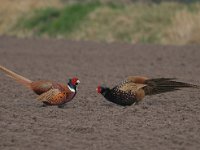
(162, 85)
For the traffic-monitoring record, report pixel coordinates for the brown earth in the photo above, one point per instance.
(165, 121)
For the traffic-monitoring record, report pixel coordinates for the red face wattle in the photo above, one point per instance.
(98, 89)
(75, 81)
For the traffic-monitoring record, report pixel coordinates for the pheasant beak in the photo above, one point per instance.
(78, 81)
(98, 89)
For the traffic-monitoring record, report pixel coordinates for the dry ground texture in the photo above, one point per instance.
(166, 121)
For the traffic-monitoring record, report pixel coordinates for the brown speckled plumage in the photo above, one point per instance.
(50, 93)
(134, 89)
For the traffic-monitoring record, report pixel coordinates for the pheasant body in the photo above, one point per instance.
(120, 97)
(40, 87)
(134, 89)
(53, 93)
(50, 93)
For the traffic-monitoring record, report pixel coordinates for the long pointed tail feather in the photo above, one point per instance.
(24, 81)
(162, 85)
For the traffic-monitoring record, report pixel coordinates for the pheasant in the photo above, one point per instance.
(50, 93)
(134, 89)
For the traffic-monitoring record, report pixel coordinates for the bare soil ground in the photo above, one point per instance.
(166, 121)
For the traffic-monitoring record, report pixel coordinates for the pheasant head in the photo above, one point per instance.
(102, 90)
(73, 83)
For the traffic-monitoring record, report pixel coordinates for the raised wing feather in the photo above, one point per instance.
(131, 87)
(136, 79)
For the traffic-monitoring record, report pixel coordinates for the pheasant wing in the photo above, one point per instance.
(131, 87)
(53, 97)
(135, 89)
(136, 79)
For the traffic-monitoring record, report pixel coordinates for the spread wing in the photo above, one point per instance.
(53, 97)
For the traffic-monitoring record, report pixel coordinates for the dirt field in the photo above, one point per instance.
(166, 121)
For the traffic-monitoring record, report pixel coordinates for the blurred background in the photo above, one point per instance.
(174, 22)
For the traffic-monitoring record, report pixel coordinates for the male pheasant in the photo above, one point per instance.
(50, 93)
(134, 89)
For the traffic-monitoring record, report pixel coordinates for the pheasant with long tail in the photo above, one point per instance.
(50, 93)
(134, 89)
